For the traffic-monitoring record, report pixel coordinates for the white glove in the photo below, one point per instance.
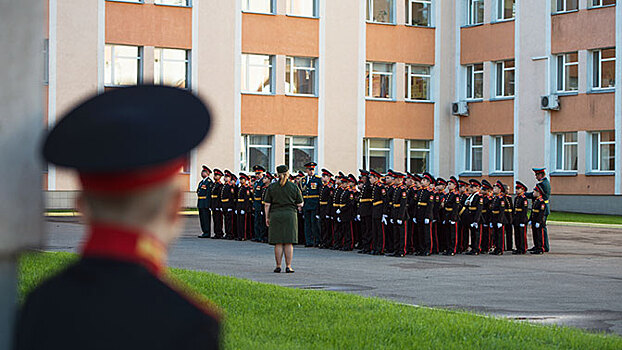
(358, 218)
(415, 220)
(426, 221)
(399, 222)
(338, 211)
(338, 219)
(235, 212)
(391, 220)
(229, 209)
(328, 217)
(521, 225)
(332, 218)
(529, 223)
(499, 225)
(444, 222)
(317, 217)
(433, 220)
(474, 225)
(537, 225)
(452, 222)
(490, 225)
(242, 212)
(384, 219)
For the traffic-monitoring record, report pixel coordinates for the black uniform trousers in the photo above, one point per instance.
(366, 233)
(312, 227)
(476, 238)
(259, 224)
(326, 232)
(463, 241)
(485, 239)
(228, 218)
(545, 235)
(205, 218)
(378, 234)
(520, 237)
(435, 226)
(499, 237)
(400, 235)
(426, 234)
(453, 232)
(243, 225)
(508, 237)
(538, 237)
(345, 235)
(412, 245)
(388, 237)
(218, 221)
(442, 236)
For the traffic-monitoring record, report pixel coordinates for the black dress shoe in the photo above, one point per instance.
(308, 245)
(288, 270)
(497, 252)
(398, 255)
(425, 254)
(531, 249)
(205, 235)
(277, 270)
(537, 252)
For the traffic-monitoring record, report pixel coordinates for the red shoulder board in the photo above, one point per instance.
(503, 203)
(404, 194)
(457, 199)
(384, 191)
(232, 190)
(526, 203)
(481, 201)
(542, 206)
(248, 193)
(351, 196)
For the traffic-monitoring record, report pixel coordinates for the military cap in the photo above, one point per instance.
(352, 178)
(300, 174)
(259, 169)
(218, 172)
(281, 169)
(539, 170)
(454, 180)
(233, 177)
(428, 176)
(310, 165)
(441, 181)
(463, 183)
(500, 185)
(129, 138)
(341, 175)
(327, 173)
(398, 175)
(205, 168)
(228, 173)
(375, 173)
(410, 176)
(418, 177)
(486, 184)
(475, 183)
(521, 185)
(364, 172)
(269, 175)
(244, 176)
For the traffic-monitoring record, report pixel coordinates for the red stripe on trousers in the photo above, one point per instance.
(405, 237)
(456, 240)
(351, 236)
(525, 237)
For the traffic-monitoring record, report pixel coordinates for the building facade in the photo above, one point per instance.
(366, 84)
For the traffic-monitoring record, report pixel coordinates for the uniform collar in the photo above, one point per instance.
(115, 242)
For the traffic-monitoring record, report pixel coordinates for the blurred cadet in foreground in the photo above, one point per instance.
(128, 146)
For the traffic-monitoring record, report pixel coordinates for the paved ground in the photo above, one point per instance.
(578, 284)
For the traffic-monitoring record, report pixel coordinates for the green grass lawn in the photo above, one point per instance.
(586, 218)
(263, 316)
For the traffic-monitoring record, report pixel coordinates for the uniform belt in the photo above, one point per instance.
(340, 205)
(483, 211)
(472, 208)
(495, 212)
(546, 201)
(377, 203)
(214, 196)
(423, 204)
(363, 200)
(202, 197)
(257, 198)
(536, 211)
(224, 200)
(323, 203)
(508, 210)
(312, 196)
(241, 200)
(396, 205)
(519, 209)
(449, 209)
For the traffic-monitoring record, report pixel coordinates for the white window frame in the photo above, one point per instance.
(293, 147)
(471, 12)
(245, 56)
(313, 15)
(597, 77)
(289, 88)
(139, 59)
(370, 12)
(598, 3)
(411, 75)
(469, 148)
(501, 12)
(499, 146)
(409, 151)
(563, 8)
(409, 12)
(562, 70)
(162, 60)
(370, 83)
(188, 3)
(561, 153)
(367, 151)
(245, 165)
(598, 135)
(470, 73)
(500, 78)
(246, 4)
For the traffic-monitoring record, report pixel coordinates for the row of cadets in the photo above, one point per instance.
(243, 207)
(325, 203)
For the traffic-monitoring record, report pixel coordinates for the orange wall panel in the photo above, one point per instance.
(584, 112)
(148, 25)
(388, 43)
(279, 114)
(582, 30)
(488, 118)
(488, 42)
(280, 35)
(405, 120)
(582, 184)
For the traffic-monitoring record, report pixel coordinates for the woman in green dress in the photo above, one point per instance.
(282, 200)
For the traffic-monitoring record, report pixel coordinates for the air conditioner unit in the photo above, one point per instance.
(460, 108)
(550, 102)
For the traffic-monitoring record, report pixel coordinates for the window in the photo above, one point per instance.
(603, 151)
(299, 151)
(565, 5)
(185, 168)
(419, 12)
(256, 150)
(379, 80)
(122, 65)
(300, 76)
(256, 73)
(418, 82)
(171, 67)
(505, 78)
(46, 61)
(475, 11)
(505, 9)
(377, 154)
(258, 6)
(504, 153)
(604, 68)
(306, 8)
(568, 72)
(380, 11)
(418, 156)
(566, 151)
(173, 2)
(599, 3)
(473, 154)
(475, 81)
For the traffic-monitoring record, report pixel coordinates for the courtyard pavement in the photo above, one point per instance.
(578, 284)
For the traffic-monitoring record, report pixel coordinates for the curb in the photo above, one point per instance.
(583, 224)
(78, 214)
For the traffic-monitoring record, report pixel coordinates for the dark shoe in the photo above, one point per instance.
(537, 252)
(288, 270)
(425, 254)
(205, 235)
(531, 249)
(346, 249)
(472, 252)
(498, 252)
(449, 253)
(277, 270)
(398, 255)
(308, 245)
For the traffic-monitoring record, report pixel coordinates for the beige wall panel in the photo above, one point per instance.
(582, 184)
(588, 112)
(387, 43)
(148, 25)
(405, 120)
(488, 118)
(488, 42)
(279, 114)
(583, 30)
(282, 35)
(66, 180)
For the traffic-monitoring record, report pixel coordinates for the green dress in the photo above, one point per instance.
(283, 206)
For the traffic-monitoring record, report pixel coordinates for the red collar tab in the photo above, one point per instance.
(127, 181)
(125, 244)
